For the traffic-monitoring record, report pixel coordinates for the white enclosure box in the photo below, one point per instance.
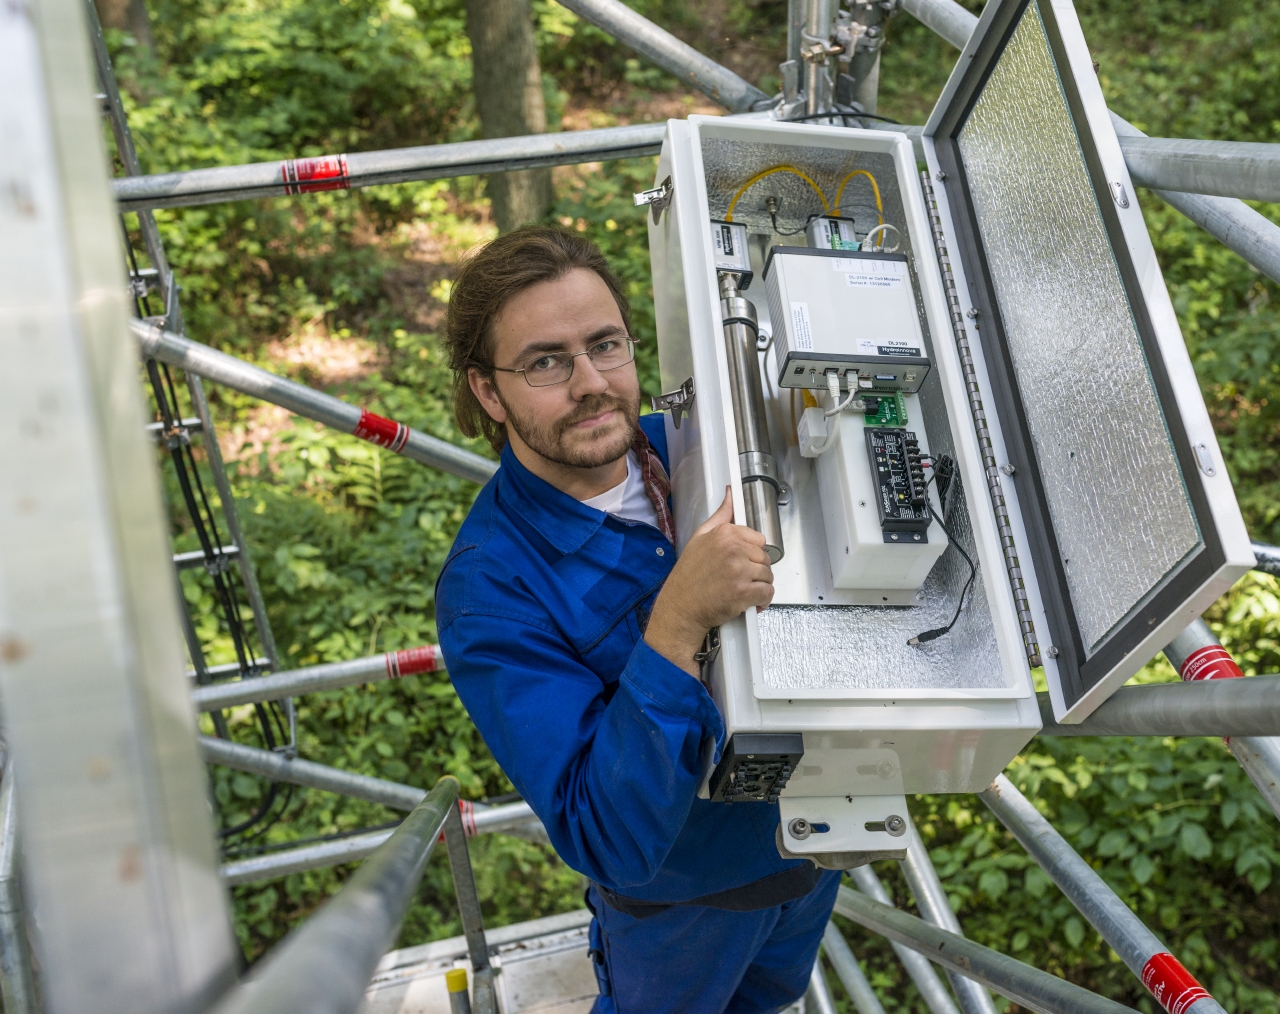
(1092, 503)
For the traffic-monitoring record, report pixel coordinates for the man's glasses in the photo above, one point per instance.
(556, 367)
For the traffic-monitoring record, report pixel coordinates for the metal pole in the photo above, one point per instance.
(1249, 707)
(515, 819)
(1237, 226)
(186, 354)
(1199, 657)
(324, 966)
(849, 972)
(1268, 558)
(396, 165)
(314, 678)
(118, 861)
(931, 899)
(129, 158)
(296, 771)
(17, 981)
(817, 998)
(1140, 949)
(935, 994)
(817, 36)
(675, 57)
(1242, 169)
(483, 1000)
(1021, 983)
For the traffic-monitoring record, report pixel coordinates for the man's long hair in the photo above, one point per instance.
(489, 278)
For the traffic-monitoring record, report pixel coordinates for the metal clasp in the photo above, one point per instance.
(710, 651)
(678, 402)
(658, 198)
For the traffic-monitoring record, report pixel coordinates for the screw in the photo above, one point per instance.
(1007, 469)
(895, 825)
(799, 829)
(940, 175)
(1053, 651)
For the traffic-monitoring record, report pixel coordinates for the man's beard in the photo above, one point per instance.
(547, 439)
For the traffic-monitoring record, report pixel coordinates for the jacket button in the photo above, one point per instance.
(660, 551)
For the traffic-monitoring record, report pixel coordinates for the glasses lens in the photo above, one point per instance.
(611, 353)
(550, 369)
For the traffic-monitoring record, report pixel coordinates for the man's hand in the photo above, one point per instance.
(723, 571)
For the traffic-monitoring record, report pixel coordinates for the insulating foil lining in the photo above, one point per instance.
(729, 164)
(846, 648)
(1115, 492)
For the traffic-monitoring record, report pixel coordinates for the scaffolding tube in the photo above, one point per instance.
(1248, 707)
(675, 57)
(931, 900)
(1141, 950)
(1268, 558)
(1202, 661)
(934, 993)
(483, 1000)
(176, 350)
(395, 165)
(314, 678)
(17, 981)
(817, 998)
(849, 972)
(325, 965)
(1237, 226)
(1241, 169)
(515, 819)
(1025, 985)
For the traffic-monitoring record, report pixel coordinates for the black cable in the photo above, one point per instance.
(843, 116)
(944, 473)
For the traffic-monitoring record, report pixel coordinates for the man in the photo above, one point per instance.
(570, 632)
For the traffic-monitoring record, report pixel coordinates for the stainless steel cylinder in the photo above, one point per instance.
(755, 454)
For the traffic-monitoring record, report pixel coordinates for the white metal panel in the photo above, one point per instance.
(117, 839)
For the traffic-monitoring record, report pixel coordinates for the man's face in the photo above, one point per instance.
(588, 420)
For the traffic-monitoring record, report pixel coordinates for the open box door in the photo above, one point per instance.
(1130, 517)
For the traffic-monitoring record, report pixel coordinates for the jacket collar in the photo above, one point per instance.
(564, 522)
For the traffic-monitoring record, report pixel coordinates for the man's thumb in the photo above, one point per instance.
(722, 516)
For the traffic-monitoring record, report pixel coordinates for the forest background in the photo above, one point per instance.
(347, 291)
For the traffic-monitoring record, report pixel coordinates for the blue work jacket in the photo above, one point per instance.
(540, 609)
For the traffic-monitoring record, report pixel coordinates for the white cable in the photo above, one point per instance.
(867, 241)
(833, 388)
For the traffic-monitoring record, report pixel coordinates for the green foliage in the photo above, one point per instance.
(348, 539)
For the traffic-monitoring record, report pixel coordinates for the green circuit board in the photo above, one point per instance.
(885, 408)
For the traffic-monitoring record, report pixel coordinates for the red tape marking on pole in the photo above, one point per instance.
(1171, 984)
(307, 175)
(428, 658)
(382, 431)
(1212, 662)
(467, 810)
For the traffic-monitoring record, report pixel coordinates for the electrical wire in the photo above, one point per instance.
(875, 187)
(843, 116)
(733, 203)
(944, 473)
(204, 524)
(884, 228)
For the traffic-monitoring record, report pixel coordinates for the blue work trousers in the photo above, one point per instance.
(690, 959)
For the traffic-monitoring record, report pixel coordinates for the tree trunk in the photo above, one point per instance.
(128, 16)
(508, 88)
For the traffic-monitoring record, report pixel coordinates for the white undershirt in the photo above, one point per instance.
(629, 499)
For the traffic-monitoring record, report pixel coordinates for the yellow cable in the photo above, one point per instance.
(874, 186)
(769, 172)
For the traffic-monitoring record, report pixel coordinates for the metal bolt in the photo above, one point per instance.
(1053, 651)
(799, 829)
(1007, 469)
(895, 825)
(972, 313)
(940, 175)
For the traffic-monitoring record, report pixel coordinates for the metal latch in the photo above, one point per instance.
(709, 653)
(658, 198)
(678, 402)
